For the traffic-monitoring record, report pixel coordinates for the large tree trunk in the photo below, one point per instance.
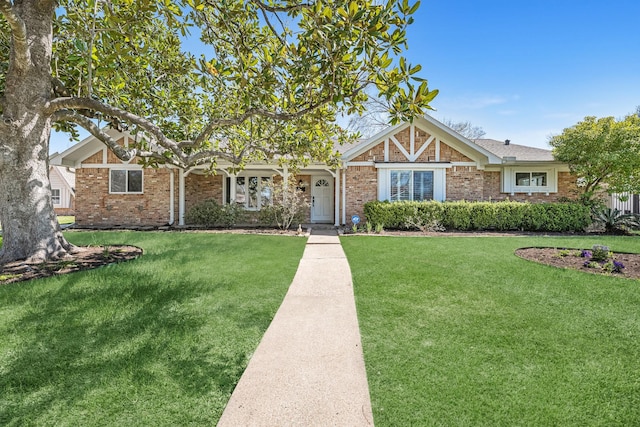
(29, 226)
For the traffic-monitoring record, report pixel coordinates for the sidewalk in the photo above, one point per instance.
(308, 369)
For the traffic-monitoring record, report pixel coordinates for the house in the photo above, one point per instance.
(422, 160)
(63, 193)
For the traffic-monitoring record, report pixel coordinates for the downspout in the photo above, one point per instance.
(172, 197)
(344, 196)
(181, 197)
(336, 209)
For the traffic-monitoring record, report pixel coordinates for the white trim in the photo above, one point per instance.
(105, 156)
(400, 147)
(111, 170)
(344, 196)
(172, 197)
(386, 149)
(314, 178)
(180, 196)
(508, 180)
(416, 166)
(336, 206)
(360, 163)
(439, 181)
(424, 147)
(437, 149)
(412, 142)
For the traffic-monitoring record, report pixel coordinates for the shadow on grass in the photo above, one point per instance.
(80, 341)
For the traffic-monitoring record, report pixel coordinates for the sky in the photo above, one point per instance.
(523, 70)
(526, 70)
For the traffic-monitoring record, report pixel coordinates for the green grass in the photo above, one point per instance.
(159, 341)
(461, 332)
(66, 219)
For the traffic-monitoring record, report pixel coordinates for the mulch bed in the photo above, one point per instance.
(85, 259)
(551, 256)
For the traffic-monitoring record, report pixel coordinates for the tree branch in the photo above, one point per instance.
(18, 34)
(274, 9)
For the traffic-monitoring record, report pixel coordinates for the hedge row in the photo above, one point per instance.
(465, 216)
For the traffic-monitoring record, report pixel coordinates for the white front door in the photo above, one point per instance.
(322, 199)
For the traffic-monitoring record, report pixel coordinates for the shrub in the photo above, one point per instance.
(462, 215)
(210, 213)
(288, 207)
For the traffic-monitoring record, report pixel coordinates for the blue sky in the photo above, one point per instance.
(524, 70)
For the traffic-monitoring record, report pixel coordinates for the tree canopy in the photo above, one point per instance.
(603, 152)
(268, 82)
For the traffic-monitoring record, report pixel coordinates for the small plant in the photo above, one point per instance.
(615, 221)
(600, 253)
(613, 266)
(379, 228)
(564, 253)
(585, 253)
(369, 227)
(354, 228)
(592, 264)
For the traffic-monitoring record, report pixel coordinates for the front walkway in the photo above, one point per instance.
(309, 368)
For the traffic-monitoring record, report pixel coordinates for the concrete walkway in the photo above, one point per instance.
(308, 369)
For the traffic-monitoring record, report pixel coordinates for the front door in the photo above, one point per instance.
(322, 199)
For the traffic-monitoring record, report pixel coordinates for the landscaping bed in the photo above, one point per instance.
(570, 258)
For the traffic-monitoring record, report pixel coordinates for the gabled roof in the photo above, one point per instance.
(74, 155)
(515, 152)
(433, 127)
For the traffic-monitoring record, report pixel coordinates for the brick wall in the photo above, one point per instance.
(567, 189)
(96, 207)
(198, 188)
(361, 186)
(465, 183)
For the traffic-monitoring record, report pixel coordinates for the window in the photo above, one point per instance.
(126, 181)
(253, 192)
(411, 185)
(55, 196)
(531, 179)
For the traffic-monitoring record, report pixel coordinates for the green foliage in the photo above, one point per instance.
(211, 214)
(271, 81)
(602, 151)
(467, 216)
(599, 253)
(615, 221)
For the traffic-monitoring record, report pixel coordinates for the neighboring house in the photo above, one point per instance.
(422, 160)
(63, 193)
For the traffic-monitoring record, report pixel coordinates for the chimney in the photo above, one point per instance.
(507, 141)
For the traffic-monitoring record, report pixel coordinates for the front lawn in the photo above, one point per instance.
(158, 341)
(459, 331)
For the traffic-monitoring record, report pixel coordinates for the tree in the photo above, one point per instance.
(375, 118)
(271, 81)
(465, 129)
(604, 153)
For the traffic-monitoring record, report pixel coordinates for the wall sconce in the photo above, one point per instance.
(301, 186)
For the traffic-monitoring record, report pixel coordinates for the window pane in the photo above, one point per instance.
(423, 185)
(240, 190)
(539, 179)
(253, 191)
(523, 178)
(400, 189)
(118, 181)
(55, 196)
(135, 182)
(265, 191)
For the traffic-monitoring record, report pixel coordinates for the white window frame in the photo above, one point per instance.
(58, 197)
(126, 170)
(411, 182)
(510, 182)
(259, 177)
(439, 178)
